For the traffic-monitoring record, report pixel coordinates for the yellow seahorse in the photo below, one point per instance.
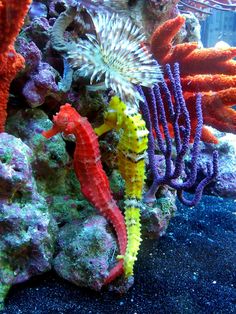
(131, 164)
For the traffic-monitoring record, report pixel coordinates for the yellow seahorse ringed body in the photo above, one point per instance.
(131, 164)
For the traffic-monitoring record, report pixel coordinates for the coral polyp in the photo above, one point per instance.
(114, 58)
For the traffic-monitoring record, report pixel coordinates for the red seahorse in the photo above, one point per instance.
(88, 167)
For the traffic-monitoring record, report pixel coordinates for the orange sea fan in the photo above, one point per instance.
(210, 71)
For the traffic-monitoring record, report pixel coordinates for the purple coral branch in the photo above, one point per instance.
(212, 173)
(155, 116)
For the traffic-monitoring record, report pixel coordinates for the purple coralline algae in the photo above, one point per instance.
(38, 31)
(40, 76)
(48, 156)
(26, 228)
(40, 85)
(16, 172)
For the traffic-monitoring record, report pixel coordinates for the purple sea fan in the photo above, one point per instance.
(113, 57)
(155, 115)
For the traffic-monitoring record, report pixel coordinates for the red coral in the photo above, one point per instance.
(88, 168)
(12, 15)
(10, 63)
(210, 71)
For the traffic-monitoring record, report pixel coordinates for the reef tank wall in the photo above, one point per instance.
(117, 156)
(220, 26)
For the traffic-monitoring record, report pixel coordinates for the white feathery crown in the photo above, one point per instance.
(114, 56)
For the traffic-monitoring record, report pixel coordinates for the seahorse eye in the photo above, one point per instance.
(70, 127)
(62, 120)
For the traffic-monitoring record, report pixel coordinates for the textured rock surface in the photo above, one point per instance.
(26, 245)
(15, 169)
(85, 251)
(156, 217)
(40, 77)
(225, 184)
(51, 164)
(49, 157)
(27, 231)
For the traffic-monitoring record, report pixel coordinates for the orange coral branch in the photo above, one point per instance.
(207, 82)
(216, 108)
(12, 15)
(10, 62)
(180, 52)
(206, 61)
(11, 20)
(211, 55)
(161, 38)
(228, 67)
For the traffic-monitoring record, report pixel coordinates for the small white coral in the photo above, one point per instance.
(114, 55)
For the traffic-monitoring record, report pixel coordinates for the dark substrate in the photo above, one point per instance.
(190, 270)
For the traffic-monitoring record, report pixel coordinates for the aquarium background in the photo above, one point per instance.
(219, 26)
(190, 269)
